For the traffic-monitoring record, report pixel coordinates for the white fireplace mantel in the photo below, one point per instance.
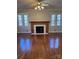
(39, 25)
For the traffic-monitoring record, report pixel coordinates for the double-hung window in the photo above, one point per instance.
(20, 23)
(53, 20)
(26, 20)
(23, 20)
(58, 19)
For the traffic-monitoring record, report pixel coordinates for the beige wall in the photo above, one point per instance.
(34, 15)
(39, 16)
(43, 15)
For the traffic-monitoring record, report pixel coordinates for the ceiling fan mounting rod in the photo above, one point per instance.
(39, 0)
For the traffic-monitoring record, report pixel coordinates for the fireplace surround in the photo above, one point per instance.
(36, 24)
(39, 29)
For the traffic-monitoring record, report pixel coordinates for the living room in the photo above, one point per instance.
(39, 29)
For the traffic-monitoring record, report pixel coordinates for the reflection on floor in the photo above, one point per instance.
(39, 46)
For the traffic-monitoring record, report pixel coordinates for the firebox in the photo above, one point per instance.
(39, 29)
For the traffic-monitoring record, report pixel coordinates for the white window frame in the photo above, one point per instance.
(25, 20)
(20, 20)
(58, 19)
(53, 17)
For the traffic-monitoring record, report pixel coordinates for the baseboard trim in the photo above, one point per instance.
(39, 33)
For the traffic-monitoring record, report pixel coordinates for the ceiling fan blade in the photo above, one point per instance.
(39, 0)
(44, 4)
(44, 1)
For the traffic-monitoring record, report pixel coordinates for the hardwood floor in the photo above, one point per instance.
(40, 47)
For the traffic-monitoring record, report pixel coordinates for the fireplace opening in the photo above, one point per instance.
(39, 29)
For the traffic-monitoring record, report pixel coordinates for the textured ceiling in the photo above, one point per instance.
(29, 4)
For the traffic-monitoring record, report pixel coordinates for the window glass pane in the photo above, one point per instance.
(53, 20)
(20, 20)
(26, 20)
(58, 20)
(56, 43)
(51, 43)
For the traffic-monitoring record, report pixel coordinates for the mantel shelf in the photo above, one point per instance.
(39, 21)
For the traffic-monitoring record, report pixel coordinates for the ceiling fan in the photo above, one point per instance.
(41, 4)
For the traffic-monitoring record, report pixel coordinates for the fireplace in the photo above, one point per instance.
(39, 29)
(43, 26)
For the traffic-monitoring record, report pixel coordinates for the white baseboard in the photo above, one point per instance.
(39, 33)
(55, 31)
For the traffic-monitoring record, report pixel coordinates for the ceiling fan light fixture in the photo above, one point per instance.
(35, 8)
(42, 7)
(39, 6)
(39, 3)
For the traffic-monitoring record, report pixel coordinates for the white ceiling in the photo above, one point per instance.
(29, 4)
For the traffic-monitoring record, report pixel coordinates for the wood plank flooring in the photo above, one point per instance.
(40, 48)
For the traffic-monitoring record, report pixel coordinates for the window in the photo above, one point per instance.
(51, 43)
(20, 20)
(25, 44)
(53, 20)
(25, 20)
(56, 43)
(58, 20)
